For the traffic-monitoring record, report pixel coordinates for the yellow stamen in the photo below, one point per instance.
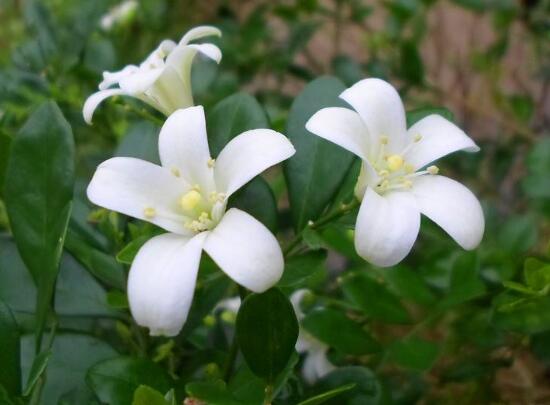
(395, 162)
(190, 200)
(409, 168)
(384, 140)
(149, 212)
(211, 163)
(433, 169)
(175, 171)
(417, 138)
(383, 173)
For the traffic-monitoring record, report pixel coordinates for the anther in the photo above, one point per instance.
(433, 169)
(211, 163)
(409, 168)
(417, 138)
(149, 212)
(383, 173)
(175, 171)
(384, 140)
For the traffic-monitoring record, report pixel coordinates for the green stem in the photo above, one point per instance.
(234, 349)
(324, 220)
(268, 394)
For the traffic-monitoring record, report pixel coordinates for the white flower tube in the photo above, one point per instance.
(163, 80)
(394, 185)
(187, 196)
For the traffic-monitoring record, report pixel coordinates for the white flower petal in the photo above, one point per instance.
(387, 227)
(316, 366)
(162, 281)
(343, 127)
(249, 154)
(209, 50)
(183, 146)
(112, 78)
(439, 137)
(200, 32)
(170, 92)
(453, 207)
(246, 251)
(296, 299)
(381, 109)
(95, 99)
(141, 190)
(139, 82)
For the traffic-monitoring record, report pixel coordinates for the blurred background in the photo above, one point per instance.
(485, 63)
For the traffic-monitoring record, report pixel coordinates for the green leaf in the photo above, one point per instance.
(114, 381)
(145, 395)
(416, 115)
(38, 367)
(409, 285)
(230, 117)
(5, 143)
(129, 252)
(72, 355)
(99, 264)
(315, 172)
(537, 183)
(10, 371)
(211, 392)
(518, 234)
(465, 283)
(337, 330)
(528, 316)
(374, 299)
(411, 66)
(325, 396)
(141, 142)
(39, 188)
(367, 390)
(299, 269)
(536, 273)
(267, 330)
(257, 199)
(413, 353)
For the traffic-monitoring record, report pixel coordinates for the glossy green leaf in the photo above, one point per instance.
(536, 273)
(213, 392)
(528, 316)
(414, 116)
(72, 355)
(411, 66)
(315, 172)
(38, 367)
(145, 395)
(518, 234)
(325, 396)
(298, 269)
(129, 252)
(465, 283)
(230, 117)
(5, 143)
(267, 330)
(413, 353)
(337, 330)
(141, 142)
(114, 381)
(101, 265)
(10, 371)
(408, 284)
(257, 199)
(374, 298)
(39, 188)
(368, 390)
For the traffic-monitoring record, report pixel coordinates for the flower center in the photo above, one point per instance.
(202, 212)
(394, 173)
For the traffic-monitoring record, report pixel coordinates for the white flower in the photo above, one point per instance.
(316, 364)
(187, 196)
(163, 80)
(118, 13)
(392, 186)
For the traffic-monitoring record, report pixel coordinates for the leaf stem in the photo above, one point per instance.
(234, 349)
(324, 220)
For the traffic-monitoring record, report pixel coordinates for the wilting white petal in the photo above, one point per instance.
(200, 32)
(247, 155)
(439, 137)
(139, 82)
(316, 365)
(381, 109)
(95, 99)
(183, 146)
(141, 190)
(209, 50)
(246, 251)
(453, 207)
(343, 127)
(162, 281)
(112, 78)
(387, 227)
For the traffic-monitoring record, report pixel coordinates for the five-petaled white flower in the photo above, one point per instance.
(187, 196)
(163, 80)
(316, 364)
(392, 186)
